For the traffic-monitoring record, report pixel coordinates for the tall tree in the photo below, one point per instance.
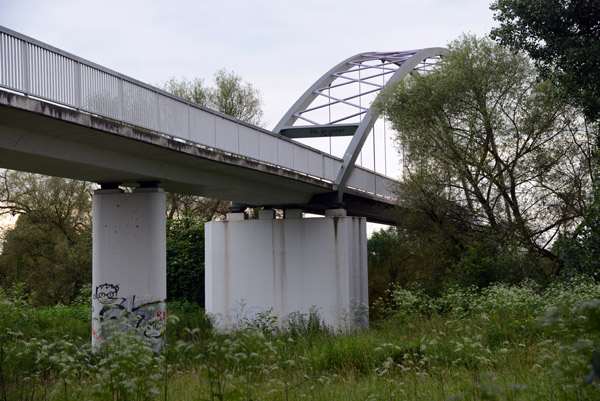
(230, 95)
(50, 247)
(234, 97)
(193, 90)
(494, 152)
(401, 255)
(563, 37)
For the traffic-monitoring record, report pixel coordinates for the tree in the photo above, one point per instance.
(50, 247)
(236, 98)
(580, 249)
(207, 209)
(563, 37)
(229, 95)
(193, 90)
(497, 159)
(411, 256)
(185, 259)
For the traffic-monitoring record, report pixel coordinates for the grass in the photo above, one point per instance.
(505, 343)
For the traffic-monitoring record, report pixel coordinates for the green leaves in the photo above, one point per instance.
(493, 154)
(185, 259)
(50, 247)
(563, 37)
(230, 94)
(580, 249)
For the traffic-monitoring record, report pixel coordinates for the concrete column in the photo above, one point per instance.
(287, 265)
(129, 261)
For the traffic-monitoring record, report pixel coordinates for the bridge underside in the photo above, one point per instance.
(42, 137)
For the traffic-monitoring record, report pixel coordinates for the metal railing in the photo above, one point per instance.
(36, 69)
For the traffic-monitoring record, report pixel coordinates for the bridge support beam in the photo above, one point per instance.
(287, 265)
(129, 262)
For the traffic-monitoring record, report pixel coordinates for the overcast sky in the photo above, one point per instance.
(280, 47)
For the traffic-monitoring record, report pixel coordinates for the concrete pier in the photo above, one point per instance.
(287, 265)
(129, 261)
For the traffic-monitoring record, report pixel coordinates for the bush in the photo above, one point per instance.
(509, 301)
(401, 303)
(185, 260)
(580, 249)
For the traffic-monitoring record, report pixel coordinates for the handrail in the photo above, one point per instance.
(24, 88)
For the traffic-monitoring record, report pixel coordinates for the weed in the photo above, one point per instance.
(496, 344)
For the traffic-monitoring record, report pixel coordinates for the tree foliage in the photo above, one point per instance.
(564, 39)
(50, 247)
(236, 98)
(207, 209)
(185, 259)
(580, 249)
(497, 160)
(408, 254)
(230, 95)
(193, 90)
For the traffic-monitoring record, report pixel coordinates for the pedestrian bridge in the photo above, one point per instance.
(65, 116)
(62, 115)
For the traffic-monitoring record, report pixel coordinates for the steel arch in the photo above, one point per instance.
(391, 65)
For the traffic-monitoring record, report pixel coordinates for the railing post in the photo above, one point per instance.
(78, 95)
(157, 112)
(25, 66)
(189, 122)
(121, 100)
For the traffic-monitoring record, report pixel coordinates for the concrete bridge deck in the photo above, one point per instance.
(47, 138)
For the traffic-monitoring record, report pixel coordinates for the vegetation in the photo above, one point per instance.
(580, 249)
(229, 94)
(563, 37)
(503, 343)
(51, 242)
(499, 165)
(185, 260)
(48, 252)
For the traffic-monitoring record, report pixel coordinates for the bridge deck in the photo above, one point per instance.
(42, 137)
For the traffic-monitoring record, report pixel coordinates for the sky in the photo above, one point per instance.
(278, 46)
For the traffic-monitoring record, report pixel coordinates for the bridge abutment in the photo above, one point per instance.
(129, 262)
(287, 265)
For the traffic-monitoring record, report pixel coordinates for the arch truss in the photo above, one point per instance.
(339, 103)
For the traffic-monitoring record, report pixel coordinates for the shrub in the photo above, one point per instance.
(401, 303)
(185, 260)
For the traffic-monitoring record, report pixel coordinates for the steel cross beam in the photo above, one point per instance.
(391, 65)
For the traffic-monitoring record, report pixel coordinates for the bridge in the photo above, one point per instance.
(65, 116)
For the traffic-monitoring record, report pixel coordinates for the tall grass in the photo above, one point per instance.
(503, 343)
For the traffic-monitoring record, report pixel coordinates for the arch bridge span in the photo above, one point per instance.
(65, 116)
